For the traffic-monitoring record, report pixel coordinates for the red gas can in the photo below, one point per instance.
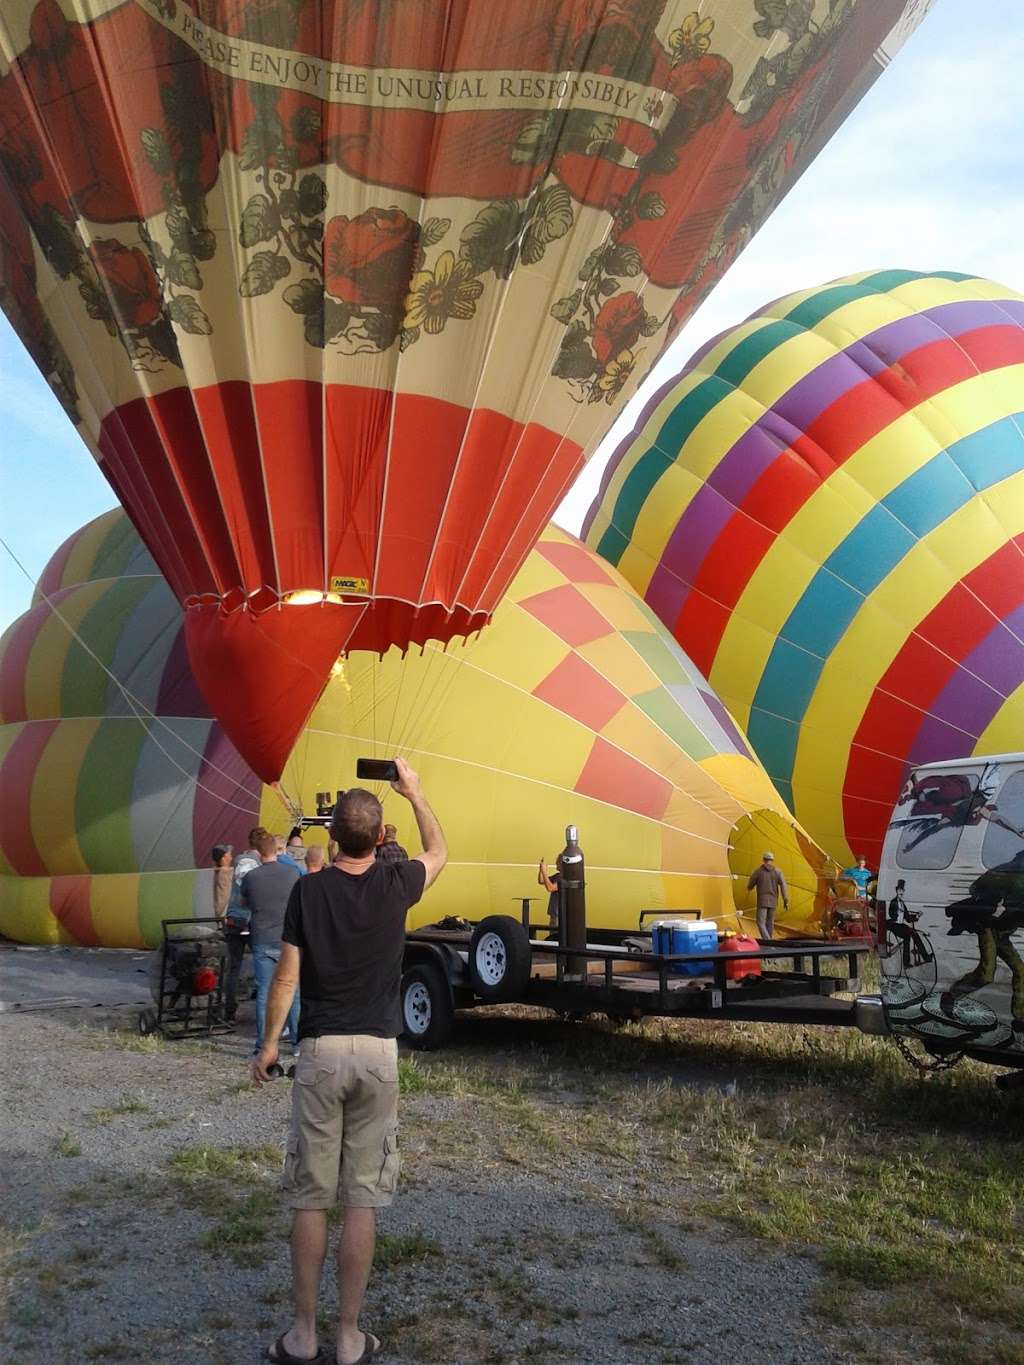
(747, 966)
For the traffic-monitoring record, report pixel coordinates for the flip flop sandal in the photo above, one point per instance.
(370, 1348)
(278, 1352)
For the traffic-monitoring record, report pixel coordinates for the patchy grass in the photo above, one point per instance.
(662, 1252)
(245, 1087)
(402, 1248)
(116, 1348)
(28, 1315)
(245, 1165)
(416, 1077)
(907, 1193)
(129, 1040)
(128, 1105)
(245, 1223)
(67, 1145)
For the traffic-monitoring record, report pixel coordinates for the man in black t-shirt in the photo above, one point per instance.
(342, 944)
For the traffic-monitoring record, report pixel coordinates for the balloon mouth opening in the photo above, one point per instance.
(262, 600)
(309, 597)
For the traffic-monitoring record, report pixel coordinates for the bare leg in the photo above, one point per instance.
(355, 1261)
(309, 1247)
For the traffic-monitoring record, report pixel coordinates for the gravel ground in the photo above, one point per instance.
(115, 1253)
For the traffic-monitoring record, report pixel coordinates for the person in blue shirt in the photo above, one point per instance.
(861, 876)
(292, 853)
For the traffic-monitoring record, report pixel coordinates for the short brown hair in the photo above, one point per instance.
(356, 822)
(266, 844)
(254, 836)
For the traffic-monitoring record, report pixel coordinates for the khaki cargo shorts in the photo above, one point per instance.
(343, 1142)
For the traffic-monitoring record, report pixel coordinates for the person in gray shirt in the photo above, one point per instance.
(264, 893)
(770, 885)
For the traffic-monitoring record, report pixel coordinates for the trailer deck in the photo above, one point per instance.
(624, 982)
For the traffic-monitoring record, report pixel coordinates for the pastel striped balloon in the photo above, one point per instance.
(826, 507)
(106, 820)
(576, 705)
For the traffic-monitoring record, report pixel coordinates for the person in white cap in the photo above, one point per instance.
(769, 883)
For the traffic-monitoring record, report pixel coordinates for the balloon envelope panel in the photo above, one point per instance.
(575, 706)
(827, 509)
(342, 295)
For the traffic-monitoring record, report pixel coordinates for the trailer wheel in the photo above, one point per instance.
(147, 1022)
(499, 959)
(427, 1013)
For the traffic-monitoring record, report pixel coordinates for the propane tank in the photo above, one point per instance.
(572, 901)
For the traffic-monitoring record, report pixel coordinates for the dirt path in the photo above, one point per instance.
(129, 1241)
(555, 1206)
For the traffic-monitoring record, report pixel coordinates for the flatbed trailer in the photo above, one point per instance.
(501, 961)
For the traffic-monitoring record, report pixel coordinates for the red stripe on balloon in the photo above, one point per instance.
(927, 661)
(52, 576)
(227, 417)
(431, 501)
(791, 480)
(19, 644)
(17, 774)
(69, 904)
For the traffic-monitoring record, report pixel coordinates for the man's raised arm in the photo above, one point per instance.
(435, 850)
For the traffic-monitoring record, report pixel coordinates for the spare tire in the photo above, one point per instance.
(499, 959)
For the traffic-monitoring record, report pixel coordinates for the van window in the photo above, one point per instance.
(1002, 844)
(933, 809)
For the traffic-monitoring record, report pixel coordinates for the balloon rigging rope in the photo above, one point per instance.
(139, 709)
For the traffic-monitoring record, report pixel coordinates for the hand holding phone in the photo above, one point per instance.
(407, 782)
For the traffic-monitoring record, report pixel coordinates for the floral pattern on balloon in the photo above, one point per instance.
(626, 166)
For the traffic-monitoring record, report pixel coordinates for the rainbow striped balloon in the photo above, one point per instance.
(827, 509)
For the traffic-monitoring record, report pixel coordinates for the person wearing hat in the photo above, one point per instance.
(769, 883)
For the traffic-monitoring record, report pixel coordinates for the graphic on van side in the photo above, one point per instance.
(957, 840)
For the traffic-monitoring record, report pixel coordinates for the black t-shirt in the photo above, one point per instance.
(351, 932)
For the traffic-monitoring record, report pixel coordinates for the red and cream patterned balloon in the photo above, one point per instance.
(342, 294)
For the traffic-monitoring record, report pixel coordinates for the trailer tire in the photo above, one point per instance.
(428, 1015)
(499, 959)
(147, 1022)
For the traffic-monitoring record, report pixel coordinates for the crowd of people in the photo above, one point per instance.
(251, 890)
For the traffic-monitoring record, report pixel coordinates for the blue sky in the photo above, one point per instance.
(928, 173)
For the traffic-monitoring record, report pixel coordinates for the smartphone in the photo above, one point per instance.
(377, 769)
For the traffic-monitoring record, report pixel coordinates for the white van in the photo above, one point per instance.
(951, 892)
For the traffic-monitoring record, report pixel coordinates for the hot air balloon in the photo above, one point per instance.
(575, 705)
(826, 508)
(341, 296)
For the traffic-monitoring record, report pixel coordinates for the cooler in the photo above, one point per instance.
(661, 935)
(695, 936)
